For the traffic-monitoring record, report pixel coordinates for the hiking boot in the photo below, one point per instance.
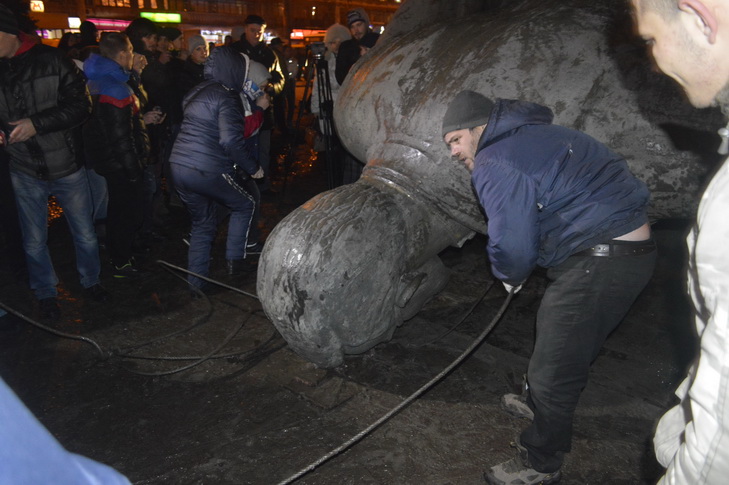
(98, 293)
(49, 308)
(518, 471)
(516, 405)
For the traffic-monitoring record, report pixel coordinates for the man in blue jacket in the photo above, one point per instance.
(556, 198)
(115, 138)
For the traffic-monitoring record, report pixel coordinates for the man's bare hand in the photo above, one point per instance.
(258, 174)
(264, 101)
(139, 63)
(154, 117)
(23, 130)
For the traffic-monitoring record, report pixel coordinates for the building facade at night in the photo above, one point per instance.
(213, 18)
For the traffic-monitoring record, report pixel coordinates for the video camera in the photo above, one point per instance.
(317, 49)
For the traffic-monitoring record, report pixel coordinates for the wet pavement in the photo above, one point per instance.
(204, 391)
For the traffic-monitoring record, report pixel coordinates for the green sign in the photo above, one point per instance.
(165, 18)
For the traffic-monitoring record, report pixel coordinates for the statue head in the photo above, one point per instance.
(340, 273)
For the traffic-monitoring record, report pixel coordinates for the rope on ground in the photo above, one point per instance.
(205, 278)
(124, 351)
(410, 399)
(102, 353)
(200, 360)
(462, 319)
(228, 355)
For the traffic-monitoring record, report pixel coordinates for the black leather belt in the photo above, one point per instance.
(619, 249)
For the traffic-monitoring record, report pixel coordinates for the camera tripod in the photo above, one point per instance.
(315, 58)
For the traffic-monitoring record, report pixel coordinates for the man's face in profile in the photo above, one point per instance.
(463, 145)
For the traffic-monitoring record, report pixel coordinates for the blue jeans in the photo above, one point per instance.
(74, 196)
(202, 192)
(587, 297)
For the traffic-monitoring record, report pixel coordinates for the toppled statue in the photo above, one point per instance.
(340, 273)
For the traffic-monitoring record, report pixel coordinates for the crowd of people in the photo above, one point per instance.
(140, 120)
(100, 123)
(104, 123)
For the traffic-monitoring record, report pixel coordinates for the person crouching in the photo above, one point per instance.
(212, 166)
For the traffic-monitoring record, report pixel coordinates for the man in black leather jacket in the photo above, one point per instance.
(43, 101)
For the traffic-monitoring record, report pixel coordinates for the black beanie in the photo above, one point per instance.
(254, 19)
(170, 33)
(8, 22)
(467, 110)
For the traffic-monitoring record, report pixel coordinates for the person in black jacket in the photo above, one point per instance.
(116, 139)
(43, 102)
(89, 35)
(351, 50)
(251, 44)
(192, 71)
(154, 86)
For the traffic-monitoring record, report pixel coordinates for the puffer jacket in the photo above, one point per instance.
(115, 137)
(42, 84)
(211, 137)
(549, 191)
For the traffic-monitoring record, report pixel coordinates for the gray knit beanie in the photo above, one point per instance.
(467, 110)
(258, 73)
(195, 41)
(358, 15)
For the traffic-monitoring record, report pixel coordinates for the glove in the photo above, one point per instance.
(510, 288)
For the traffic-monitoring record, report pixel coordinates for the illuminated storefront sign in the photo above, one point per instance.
(37, 6)
(110, 24)
(301, 34)
(165, 18)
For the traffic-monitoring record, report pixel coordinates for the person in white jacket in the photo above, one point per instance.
(343, 168)
(335, 35)
(689, 40)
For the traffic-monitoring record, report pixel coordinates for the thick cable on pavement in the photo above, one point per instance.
(479, 340)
